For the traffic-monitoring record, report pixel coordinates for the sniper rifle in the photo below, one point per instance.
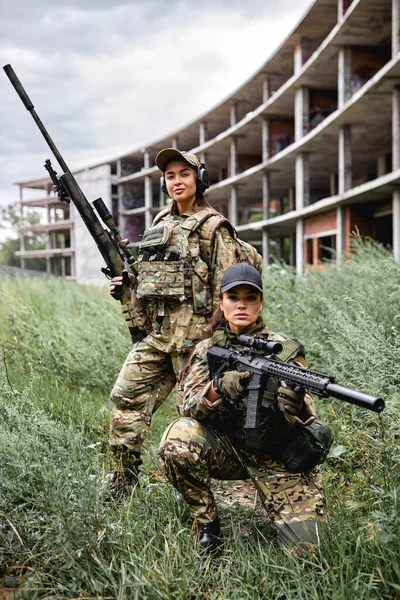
(112, 247)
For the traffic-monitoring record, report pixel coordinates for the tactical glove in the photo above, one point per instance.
(120, 284)
(297, 405)
(290, 398)
(233, 383)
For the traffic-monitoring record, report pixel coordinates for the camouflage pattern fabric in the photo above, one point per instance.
(195, 448)
(194, 453)
(146, 378)
(155, 364)
(173, 324)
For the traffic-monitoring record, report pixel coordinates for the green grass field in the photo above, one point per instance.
(61, 348)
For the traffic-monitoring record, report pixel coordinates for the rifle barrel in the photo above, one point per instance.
(341, 392)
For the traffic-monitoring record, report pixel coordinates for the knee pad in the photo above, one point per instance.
(299, 531)
(177, 447)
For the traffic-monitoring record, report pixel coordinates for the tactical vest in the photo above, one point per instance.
(175, 258)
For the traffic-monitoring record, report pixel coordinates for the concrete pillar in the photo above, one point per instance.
(233, 215)
(279, 248)
(203, 157)
(266, 193)
(340, 232)
(301, 112)
(298, 57)
(396, 225)
(233, 157)
(345, 160)
(302, 180)
(48, 265)
(265, 138)
(300, 51)
(119, 173)
(395, 27)
(266, 88)
(73, 269)
(202, 133)
(148, 201)
(302, 199)
(396, 128)
(332, 184)
(62, 266)
(233, 114)
(175, 142)
(146, 160)
(72, 238)
(120, 205)
(21, 223)
(265, 246)
(344, 70)
(300, 247)
(292, 249)
(292, 198)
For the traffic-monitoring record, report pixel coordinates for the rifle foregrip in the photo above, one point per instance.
(19, 88)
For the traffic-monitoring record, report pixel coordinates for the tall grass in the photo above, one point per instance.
(61, 536)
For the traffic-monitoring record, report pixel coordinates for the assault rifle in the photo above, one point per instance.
(261, 361)
(112, 247)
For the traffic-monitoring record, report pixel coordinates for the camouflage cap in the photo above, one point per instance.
(241, 274)
(168, 154)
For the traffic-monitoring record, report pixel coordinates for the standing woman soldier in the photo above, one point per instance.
(209, 440)
(181, 261)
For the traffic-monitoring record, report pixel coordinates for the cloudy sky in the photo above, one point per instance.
(102, 72)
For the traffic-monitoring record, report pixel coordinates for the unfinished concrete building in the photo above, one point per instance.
(302, 154)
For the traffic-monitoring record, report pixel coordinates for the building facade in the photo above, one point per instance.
(304, 153)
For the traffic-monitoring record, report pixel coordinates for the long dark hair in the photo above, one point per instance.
(217, 320)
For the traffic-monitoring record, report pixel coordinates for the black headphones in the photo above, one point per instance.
(202, 180)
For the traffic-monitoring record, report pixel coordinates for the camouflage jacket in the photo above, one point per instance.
(172, 323)
(224, 415)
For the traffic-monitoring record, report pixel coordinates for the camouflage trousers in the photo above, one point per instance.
(193, 454)
(146, 378)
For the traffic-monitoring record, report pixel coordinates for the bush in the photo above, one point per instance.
(62, 537)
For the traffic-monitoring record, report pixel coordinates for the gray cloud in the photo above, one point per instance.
(106, 77)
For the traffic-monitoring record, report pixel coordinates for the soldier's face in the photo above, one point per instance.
(180, 180)
(241, 307)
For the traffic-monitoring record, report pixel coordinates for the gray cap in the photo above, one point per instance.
(241, 274)
(168, 154)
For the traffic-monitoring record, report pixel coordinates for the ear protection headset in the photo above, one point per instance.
(202, 180)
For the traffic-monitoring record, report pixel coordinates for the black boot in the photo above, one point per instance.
(209, 536)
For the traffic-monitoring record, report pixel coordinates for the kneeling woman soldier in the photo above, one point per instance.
(209, 441)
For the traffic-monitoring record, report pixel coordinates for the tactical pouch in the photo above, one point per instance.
(161, 279)
(155, 238)
(201, 289)
(308, 448)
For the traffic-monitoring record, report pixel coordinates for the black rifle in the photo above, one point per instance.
(110, 243)
(261, 361)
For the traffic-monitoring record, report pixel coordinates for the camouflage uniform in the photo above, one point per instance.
(197, 447)
(174, 320)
